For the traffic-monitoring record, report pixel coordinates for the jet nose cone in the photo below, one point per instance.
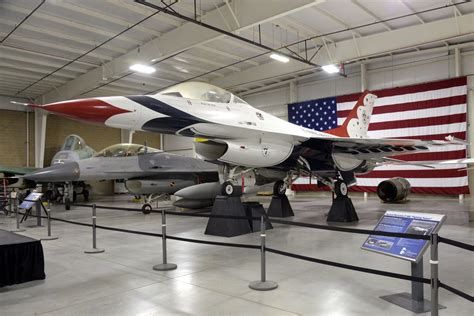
(88, 110)
(69, 171)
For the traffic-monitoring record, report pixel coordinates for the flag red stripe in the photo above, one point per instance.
(460, 135)
(427, 121)
(423, 190)
(428, 173)
(411, 106)
(437, 155)
(443, 84)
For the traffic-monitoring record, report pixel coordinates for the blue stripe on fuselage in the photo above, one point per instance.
(175, 120)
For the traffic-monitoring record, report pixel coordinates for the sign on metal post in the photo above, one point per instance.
(404, 222)
(407, 249)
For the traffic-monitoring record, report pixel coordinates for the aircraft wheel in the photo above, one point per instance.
(279, 188)
(146, 208)
(229, 189)
(340, 188)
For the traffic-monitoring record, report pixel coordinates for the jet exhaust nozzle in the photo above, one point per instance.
(393, 190)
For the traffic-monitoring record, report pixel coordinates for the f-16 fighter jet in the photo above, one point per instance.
(247, 141)
(147, 171)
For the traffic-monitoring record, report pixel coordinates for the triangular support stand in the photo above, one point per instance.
(342, 210)
(228, 227)
(280, 207)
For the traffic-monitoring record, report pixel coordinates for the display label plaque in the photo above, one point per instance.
(404, 222)
(30, 200)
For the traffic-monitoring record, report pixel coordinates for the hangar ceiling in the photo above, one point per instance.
(59, 49)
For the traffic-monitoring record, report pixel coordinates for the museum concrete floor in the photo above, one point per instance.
(213, 280)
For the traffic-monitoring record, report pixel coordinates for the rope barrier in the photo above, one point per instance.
(456, 291)
(350, 230)
(456, 243)
(350, 267)
(292, 255)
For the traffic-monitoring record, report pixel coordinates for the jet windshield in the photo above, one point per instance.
(126, 150)
(201, 91)
(73, 142)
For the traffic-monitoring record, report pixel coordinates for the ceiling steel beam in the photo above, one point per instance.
(369, 46)
(371, 14)
(221, 30)
(166, 45)
(17, 25)
(336, 19)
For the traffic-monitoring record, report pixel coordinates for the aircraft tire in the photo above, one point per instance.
(146, 208)
(229, 189)
(340, 188)
(279, 188)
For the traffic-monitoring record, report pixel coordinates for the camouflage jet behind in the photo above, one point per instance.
(146, 171)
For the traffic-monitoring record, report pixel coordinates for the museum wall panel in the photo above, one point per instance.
(151, 139)
(13, 139)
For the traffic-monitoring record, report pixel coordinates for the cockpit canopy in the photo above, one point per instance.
(73, 142)
(201, 91)
(126, 150)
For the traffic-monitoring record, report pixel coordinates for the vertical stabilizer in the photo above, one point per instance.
(357, 122)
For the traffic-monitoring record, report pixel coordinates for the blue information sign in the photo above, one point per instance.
(30, 200)
(404, 222)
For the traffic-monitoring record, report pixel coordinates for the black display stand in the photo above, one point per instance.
(415, 301)
(21, 259)
(280, 207)
(227, 227)
(255, 209)
(342, 210)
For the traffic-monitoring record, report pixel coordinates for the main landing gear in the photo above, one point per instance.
(342, 209)
(279, 205)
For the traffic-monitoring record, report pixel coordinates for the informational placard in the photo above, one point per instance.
(404, 222)
(30, 200)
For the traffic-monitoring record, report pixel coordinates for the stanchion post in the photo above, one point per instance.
(38, 213)
(94, 235)
(48, 218)
(165, 266)
(434, 274)
(17, 214)
(263, 284)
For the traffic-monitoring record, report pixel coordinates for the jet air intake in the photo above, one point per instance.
(393, 190)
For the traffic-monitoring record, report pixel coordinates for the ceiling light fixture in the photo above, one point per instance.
(279, 57)
(331, 69)
(142, 68)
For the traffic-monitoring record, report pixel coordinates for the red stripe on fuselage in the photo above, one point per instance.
(88, 110)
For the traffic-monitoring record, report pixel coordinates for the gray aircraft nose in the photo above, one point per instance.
(57, 173)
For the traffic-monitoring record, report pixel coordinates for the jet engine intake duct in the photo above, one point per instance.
(244, 153)
(394, 189)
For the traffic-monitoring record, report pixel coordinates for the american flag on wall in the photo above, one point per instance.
(429, 111)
